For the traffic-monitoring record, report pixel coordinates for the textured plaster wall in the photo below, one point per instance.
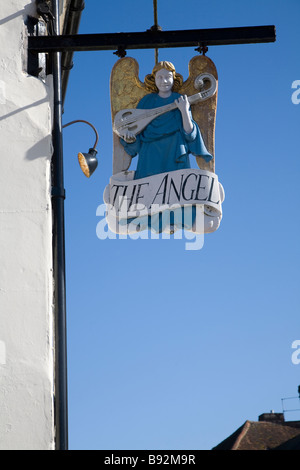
(26, 336)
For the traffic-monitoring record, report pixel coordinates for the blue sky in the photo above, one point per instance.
(169, 348)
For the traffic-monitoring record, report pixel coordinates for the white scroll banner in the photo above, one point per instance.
(127, 198)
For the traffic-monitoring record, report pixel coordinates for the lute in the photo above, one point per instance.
(135, 120)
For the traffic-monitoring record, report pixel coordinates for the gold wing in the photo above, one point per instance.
(204, 113)
(126, 90)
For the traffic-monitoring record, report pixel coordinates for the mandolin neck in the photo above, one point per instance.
(169, 107)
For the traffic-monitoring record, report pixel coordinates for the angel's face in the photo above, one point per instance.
(164, 81)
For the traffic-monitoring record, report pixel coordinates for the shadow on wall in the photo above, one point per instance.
(28, 10)
(19, 110)
(42, 149)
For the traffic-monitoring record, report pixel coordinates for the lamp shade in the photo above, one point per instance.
(88, 162)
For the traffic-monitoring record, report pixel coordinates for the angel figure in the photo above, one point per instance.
(165, 143)
(153, 120)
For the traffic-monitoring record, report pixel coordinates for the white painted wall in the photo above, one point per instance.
(26, 336)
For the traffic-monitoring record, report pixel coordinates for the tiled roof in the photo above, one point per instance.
(292, 444)
(262, 435)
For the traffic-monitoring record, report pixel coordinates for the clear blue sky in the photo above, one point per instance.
(169, 348)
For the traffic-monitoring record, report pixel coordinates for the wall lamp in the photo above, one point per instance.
(88, 161)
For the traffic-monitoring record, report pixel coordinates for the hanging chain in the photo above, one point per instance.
(155, 27)
(121, 52)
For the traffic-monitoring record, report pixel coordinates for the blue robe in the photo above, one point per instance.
(164, 145)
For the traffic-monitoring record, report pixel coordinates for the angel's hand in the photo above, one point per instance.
(182, 104)
(129, 137)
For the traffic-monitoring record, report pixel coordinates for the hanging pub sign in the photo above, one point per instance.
(166, 124)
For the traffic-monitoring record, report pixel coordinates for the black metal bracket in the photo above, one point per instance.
(202, 49)
(36, 64)
(120, 52)
(58, 192)
(44, 10)
(153, 39)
